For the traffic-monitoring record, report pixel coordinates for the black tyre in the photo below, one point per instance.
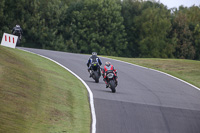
(112, 86)
(96, 75)
(18, 42)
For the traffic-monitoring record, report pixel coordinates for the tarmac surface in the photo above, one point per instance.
(145, 101)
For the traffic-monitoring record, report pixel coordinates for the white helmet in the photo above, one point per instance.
(108, 63)
(94, 53)
(17, 25)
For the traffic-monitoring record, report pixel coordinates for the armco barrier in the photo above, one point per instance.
(9, 40)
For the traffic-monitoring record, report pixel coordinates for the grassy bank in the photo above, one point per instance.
(38, 96)
(188, 70)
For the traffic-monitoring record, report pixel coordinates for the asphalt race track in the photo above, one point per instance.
(145, 101)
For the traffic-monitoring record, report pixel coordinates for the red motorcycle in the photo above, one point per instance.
(111, 80)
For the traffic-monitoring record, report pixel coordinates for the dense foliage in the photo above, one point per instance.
(132, 28)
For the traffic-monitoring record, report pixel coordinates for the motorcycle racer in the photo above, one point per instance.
(93, 59)
(107, 68)
(17, 30)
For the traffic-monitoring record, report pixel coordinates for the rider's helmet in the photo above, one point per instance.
(107, 63)
(17, 25)
(94, 53)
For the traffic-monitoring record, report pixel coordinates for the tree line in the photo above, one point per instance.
(129, 28)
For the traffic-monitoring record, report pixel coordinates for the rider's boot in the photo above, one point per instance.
(116, 82)
(105, 82)
(107, 85)
(90, 73)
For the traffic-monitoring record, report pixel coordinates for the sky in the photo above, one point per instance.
(177, 3)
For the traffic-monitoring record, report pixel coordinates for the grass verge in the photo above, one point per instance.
(187, 70)
(38, 96)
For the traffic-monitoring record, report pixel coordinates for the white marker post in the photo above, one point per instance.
(9, 40)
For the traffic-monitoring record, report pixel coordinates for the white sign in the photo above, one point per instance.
(9, 40)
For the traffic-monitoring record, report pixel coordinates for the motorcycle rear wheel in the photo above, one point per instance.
(112, 86)
(18, 42)
(96, 75)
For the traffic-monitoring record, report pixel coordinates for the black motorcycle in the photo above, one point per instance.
(17, 33)
(95, 71)
(111, 80)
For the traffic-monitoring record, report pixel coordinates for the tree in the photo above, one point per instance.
(133, 28)
(98, 26)
(193, 19)
(130, 10)
(43, 24)
(184, 48)
(2, 18)
(153, 26)
(196, 36)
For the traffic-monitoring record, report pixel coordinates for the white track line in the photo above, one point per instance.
(156, 71)
(93, 130)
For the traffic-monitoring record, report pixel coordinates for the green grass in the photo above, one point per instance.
(38, 96)
(187, 70)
